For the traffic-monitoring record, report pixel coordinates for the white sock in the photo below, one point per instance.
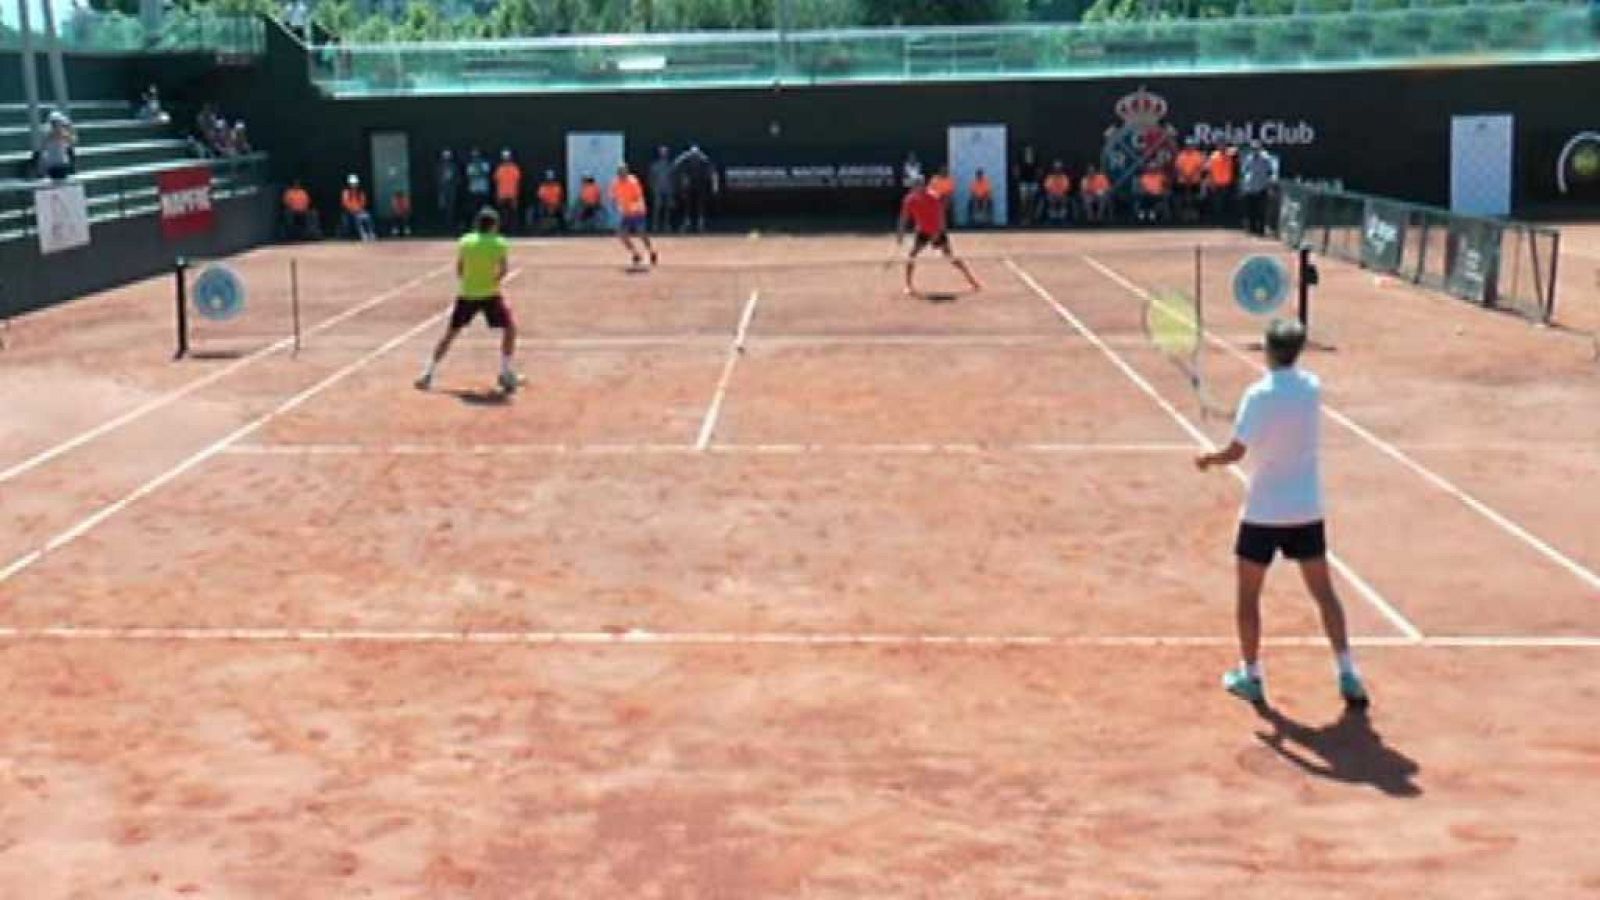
(1253, 669)
(1347, 666)
(427, 370)
(505, 364)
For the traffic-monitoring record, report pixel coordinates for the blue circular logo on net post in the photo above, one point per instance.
(218, 293)
(1260, 285)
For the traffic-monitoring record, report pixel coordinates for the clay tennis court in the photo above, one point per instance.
(773, 582)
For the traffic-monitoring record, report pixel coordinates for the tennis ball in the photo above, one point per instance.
(1586, 161)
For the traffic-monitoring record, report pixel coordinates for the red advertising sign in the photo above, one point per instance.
(185, 202)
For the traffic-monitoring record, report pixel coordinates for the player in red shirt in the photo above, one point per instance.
(923, 208)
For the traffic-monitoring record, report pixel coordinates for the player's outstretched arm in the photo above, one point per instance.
(1227, 456)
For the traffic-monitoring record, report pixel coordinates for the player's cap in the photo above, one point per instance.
(352, 180)
(917, 180)
(487, 217)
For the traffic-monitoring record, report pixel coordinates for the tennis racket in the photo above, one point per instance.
(1172, 323)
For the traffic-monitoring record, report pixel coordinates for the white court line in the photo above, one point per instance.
(735, 350)
(645, 638)
(203, 382)
(785, 341)
(83, 527)
(1361, 585)
(958, 449)
(1543, 547)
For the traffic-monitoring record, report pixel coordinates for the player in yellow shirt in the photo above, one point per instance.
(633, 214)
(481, 263)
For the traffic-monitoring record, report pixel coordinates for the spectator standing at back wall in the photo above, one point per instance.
(508, 190)
(697, 181)
(447, 181)
(1026, 174)
(1221, 173)
(1256, 175)
(663, 191)
(480, 187)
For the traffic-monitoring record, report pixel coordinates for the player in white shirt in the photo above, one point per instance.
(1279, 428)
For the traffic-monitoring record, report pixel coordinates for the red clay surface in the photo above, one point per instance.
(556, 647)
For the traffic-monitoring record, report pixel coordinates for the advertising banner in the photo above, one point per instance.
(62, 215)
(1473, 260)
(1292, 215)
(186, 208)
(1383, 236)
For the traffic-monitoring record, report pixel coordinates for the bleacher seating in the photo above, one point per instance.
(118, 155)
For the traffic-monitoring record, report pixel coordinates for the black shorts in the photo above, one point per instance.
(494, 309)
(940, 241)
(1259, 543)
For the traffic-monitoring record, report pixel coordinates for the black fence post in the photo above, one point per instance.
(180, 268)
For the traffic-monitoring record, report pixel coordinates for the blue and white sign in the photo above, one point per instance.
(1260, 285)
(595, 155)
(974, 147)
(218, 293)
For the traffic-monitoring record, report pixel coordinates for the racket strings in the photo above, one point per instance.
(1172, 322)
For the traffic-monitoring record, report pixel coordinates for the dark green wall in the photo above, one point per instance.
(1386, 132)
(88, 77)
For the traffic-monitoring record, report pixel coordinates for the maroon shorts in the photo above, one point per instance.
(494, 310)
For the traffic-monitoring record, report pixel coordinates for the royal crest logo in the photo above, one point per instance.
(1142, 139)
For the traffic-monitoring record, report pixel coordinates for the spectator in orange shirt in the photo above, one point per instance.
(1057, 194)
(1154, 195)
(980, 199)
(944, 187)
(356, 220)
(400, 214)
(591, 204)
(1190, 170)
(552, 202)
(1222, 168)
(633, 214)
(508, 189)
(299, 219)
(1096, 190)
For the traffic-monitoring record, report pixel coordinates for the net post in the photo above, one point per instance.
(294, 299)
(180, 268)
(1304, 278)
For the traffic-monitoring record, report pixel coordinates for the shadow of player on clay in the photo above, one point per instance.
(482, 397)
(1347, 750)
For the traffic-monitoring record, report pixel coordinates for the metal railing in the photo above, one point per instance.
(1498, 263)
(125, 194)
(1486, 32)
